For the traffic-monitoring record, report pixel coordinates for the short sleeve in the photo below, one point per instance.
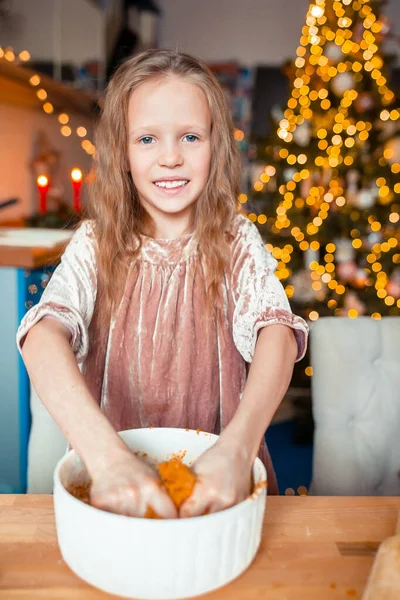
(258, 295)
(71, 292)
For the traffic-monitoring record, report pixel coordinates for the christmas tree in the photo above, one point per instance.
(326, 195)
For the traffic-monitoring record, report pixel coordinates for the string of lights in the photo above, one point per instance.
(64, 119)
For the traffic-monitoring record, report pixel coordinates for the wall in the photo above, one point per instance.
(70, 30)
(18, 129)
(249, 31)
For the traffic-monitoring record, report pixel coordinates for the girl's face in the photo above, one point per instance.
(169, 149)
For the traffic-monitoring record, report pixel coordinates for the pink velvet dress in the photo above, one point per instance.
(165, 364)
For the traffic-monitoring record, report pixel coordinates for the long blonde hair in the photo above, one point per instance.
(114, 205)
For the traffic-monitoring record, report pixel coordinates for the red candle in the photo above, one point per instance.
(43, 185)
(76, 176)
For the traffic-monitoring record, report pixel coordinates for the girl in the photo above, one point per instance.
(165, 296)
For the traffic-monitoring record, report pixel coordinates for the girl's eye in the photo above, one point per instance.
(191, 138)
(147, 140)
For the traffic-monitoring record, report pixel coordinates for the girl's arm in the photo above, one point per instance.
(266, 333)
(55, 375)
(224, 471)
(121, 482)
(269, 377)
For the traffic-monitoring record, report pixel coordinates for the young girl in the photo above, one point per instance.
(166, 296)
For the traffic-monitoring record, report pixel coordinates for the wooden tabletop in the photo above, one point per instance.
(313, 548)
(30, 258)
(30, 248)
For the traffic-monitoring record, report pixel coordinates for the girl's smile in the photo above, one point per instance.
(172, 186)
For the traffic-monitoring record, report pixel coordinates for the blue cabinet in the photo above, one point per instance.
(20, 289)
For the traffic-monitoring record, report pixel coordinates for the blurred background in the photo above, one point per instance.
(313, 89)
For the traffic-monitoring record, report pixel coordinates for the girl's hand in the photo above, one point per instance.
(128, 486)
(224, 479)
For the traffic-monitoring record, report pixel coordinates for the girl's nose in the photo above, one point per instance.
(170, 157)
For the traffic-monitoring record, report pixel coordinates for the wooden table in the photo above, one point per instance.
(30, 257)
(313, 548)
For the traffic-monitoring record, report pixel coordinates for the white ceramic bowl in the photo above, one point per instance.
(156, 559)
